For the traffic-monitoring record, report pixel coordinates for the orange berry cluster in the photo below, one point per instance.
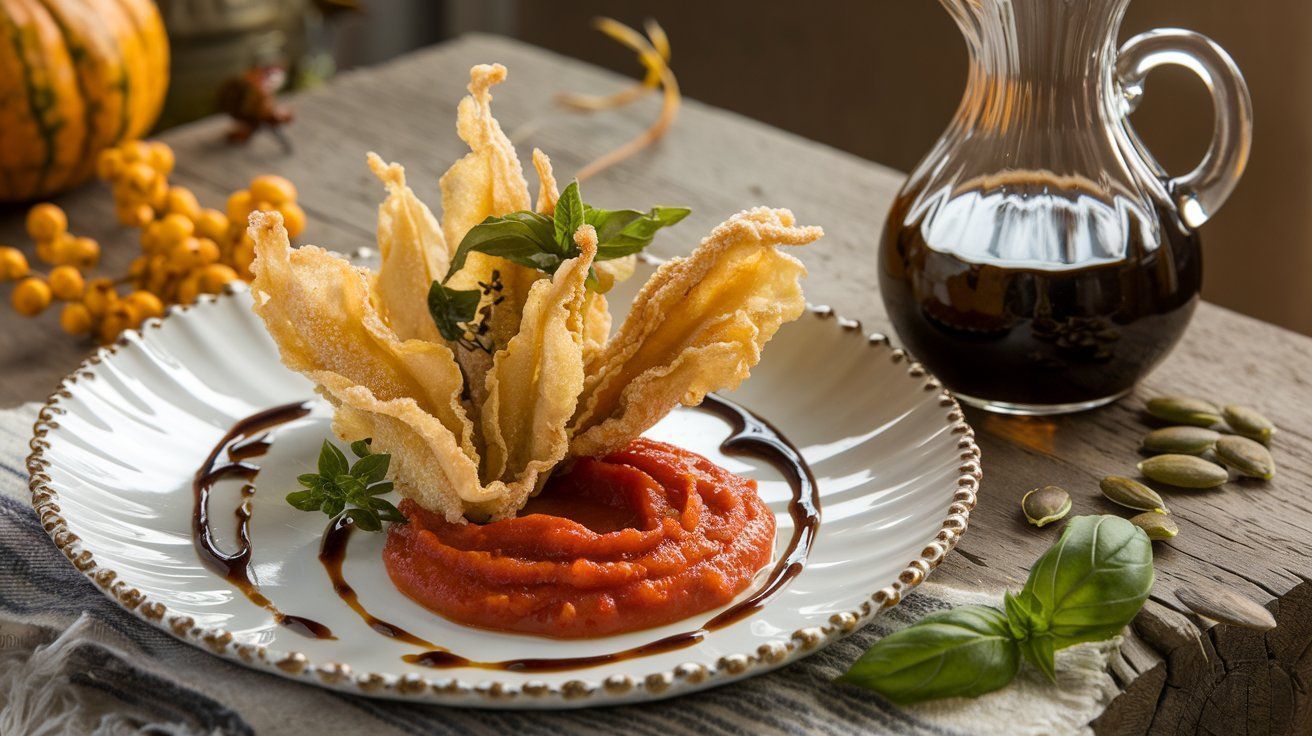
(186, 249)
(69, 255)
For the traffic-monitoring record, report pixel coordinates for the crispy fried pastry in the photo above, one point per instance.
(697, 326)
(475, 427)
(414, 255)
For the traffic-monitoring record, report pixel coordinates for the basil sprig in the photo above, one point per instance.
(350, 488)
(1087, 587)
(539, 242)
(542, 243)
(526, 238)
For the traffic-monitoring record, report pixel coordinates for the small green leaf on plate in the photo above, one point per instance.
(331, 460)
(371, 469)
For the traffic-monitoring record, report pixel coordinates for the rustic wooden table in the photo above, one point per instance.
(1178, 675)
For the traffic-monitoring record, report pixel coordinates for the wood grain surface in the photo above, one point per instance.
(1178, 674)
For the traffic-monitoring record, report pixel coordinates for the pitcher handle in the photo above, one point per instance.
(1199, 193)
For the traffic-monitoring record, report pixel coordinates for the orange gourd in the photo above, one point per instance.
(76, 77)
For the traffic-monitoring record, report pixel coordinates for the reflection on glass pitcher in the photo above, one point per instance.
(1039, 260)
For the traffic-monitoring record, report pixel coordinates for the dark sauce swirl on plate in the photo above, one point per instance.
(751, 436)
(246, 440)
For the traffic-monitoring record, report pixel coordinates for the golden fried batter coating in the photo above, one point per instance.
(414, 255)
(535, 382)
(548, 191)
(316, 306)
(474, 433)
(487, 181)
(698, 325)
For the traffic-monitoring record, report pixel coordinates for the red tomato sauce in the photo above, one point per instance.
(646, 536)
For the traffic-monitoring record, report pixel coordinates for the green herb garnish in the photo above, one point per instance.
(964, 652)
(1086, 587)
(353, 489)
(542, 243)
(457, 313)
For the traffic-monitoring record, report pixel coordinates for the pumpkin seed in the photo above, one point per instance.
(1246, 456)
(1045, 505)
(1184, 410)
(1184, 471)
(1226, 606)
(1131, 494)
(1158, 526)
(1183, 440)
(1249, 423)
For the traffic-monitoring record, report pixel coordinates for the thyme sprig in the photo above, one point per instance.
(352, 489)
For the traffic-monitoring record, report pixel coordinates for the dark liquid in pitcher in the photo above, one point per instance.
(1002, 332)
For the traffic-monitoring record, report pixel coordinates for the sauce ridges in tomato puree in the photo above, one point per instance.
(642, 537)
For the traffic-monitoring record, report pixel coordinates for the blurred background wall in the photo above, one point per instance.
(880, 78)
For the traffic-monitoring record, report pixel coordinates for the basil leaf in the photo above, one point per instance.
(360, 448)
(1039, 651)
(1090, 584)
(331, 460)
(310, 480)
(452, 308)
(1019, 618)
(371, 469)
(1031, 635)
(543, 243)
(569, 217)
(965, 652)
(380, 488)
(305, 500)
(516, 237)
(625, 232)
(547, 263)
(541, 229)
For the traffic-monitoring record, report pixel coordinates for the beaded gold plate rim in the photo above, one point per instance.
(493, 693)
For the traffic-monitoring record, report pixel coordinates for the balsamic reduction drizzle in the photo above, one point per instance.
(751, 436)
(755, 437)
(246, 440)
(332, 553)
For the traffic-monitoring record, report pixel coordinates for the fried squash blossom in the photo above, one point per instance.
(475, 434)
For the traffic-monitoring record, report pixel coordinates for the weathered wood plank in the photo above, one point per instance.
(1250, 537)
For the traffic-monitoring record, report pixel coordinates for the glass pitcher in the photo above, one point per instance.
(1039, 260)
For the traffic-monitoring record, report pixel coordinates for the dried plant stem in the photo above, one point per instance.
(593, 103)
(654, 53)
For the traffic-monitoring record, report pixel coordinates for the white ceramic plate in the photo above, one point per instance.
(118, 444)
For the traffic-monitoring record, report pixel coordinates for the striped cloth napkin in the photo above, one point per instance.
(72, 662)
